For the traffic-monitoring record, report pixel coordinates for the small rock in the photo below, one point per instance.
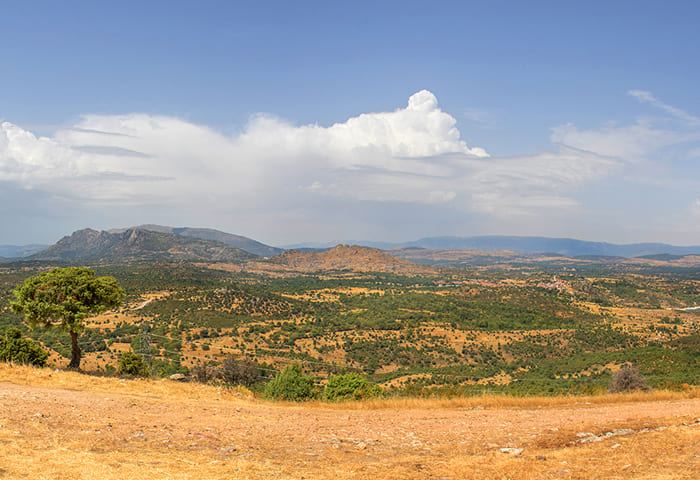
(617, 445)
(177, 377)
(541, 457)
(512, 451)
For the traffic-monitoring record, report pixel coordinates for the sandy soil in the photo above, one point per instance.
(96, 432)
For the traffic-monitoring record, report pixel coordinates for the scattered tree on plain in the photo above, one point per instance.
(64, 298)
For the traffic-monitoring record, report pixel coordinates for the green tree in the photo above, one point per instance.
(351, 386)
(291, 384)
(131, 363)
(64, 298)
(14, 348)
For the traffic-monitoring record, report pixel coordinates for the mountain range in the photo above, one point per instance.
(192, 243)
(559, 246)
(238, 241)
(135, 244)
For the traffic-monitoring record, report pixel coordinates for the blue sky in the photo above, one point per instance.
(291, 121)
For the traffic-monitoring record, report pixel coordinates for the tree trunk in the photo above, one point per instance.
(75, 351)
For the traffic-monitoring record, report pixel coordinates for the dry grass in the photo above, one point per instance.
(65, 425)
(154, 388)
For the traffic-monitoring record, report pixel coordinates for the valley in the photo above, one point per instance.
(499, 322)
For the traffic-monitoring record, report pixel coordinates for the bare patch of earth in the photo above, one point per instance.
(82, 433)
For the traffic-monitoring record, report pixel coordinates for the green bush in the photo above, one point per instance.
(351, 386)
(291, 384)
(131, 363)
(15, 349)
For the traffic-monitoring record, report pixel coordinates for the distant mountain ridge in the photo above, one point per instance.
(18, 251)
(492, 243)
(136, 244)
(561, 246)
(238, 241)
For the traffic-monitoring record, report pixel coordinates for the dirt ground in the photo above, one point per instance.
(58, 425)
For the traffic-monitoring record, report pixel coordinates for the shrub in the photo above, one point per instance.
(291, 384)
(628, 379)
(15, 349)
(351, 386)
(240, 372)
(203, 373)
(131, 363)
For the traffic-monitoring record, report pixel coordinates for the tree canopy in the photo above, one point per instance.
(64, 298)
(14, 348)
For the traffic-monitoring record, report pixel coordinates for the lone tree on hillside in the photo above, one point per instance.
(64, 298)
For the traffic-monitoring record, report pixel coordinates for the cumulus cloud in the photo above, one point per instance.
(116, 151)
(412, 155)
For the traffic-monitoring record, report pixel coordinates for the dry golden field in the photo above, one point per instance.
(66, 425)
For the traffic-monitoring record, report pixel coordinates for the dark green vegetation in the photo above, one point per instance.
(15, 349)
(132, 364)
(514, 329)
(65, 298)
(291, 384)
(350, 386)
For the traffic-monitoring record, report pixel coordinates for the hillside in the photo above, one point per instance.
(344, 257)
(511, 330)
(66, 425)
(134, 244)
(238, 241)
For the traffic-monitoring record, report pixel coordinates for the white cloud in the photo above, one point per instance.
(647, 97)
(412, 155)
(695, 208)
(115, 152)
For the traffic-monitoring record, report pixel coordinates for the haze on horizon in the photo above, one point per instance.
(313, 122)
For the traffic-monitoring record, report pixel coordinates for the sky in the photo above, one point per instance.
(292, 122)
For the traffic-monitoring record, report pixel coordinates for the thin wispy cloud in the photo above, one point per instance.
(647, 97)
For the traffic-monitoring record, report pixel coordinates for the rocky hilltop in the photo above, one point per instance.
(238, 241)
(136, 244)
(344, 257)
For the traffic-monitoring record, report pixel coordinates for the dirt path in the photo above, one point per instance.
(228, 438)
